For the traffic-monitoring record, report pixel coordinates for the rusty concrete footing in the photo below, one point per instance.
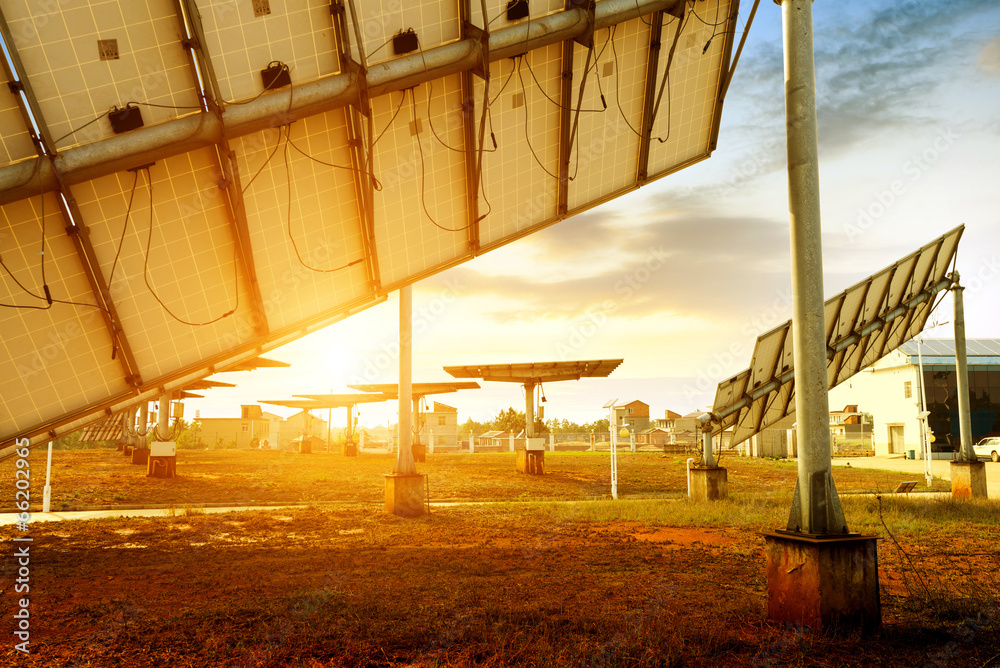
(825, 583)
(709, 483)
(531, 462)
(404, 495)
(140, 455)
(419, 451)
(161, 467)
(968, 480)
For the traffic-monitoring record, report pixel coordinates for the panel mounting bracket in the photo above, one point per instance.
(477, 34)
(586, 38)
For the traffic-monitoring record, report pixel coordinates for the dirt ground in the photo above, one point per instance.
(88, 478)
(643, 582)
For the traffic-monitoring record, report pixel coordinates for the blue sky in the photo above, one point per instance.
(680, 277)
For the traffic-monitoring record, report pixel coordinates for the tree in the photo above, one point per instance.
(509, 420)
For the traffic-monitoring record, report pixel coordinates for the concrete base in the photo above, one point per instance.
(350, 450)
(121, 446)
(161, 467)
(140, 455)
(305, 448)
(127, 450)
(404, 495)
(968, 480)
(419, 451)
(531, 462)
(823, 583)
(709, 484)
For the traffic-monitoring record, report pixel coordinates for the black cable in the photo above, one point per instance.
(559, 105)
(378, 184)
(665, 82)
(618, 97)
(145, 270)
(391, 120)
(121, 241)
(423, 169)
(291, 237)
(257, 173)
(527, 137)
(74, 131)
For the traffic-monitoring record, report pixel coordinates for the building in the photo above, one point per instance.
(634, 415)
(890, 390)
(253, 427)
(301, 424)
(443, 422)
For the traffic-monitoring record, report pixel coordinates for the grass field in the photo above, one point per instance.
(550, 574)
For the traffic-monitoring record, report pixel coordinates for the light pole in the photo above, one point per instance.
(925, 443)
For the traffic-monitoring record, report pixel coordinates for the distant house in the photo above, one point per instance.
(634, 415)
(252, 428)
(653, 436)
(301, 424)
(443, 422)
(494, 439)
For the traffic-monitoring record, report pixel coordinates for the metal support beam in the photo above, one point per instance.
(151, 143)
(204, 74)
(473, 148)
(815, 507)
(965, 451)
(404, 454)
(707, 456)
(359, 137)
(649, 96)
(529, 409)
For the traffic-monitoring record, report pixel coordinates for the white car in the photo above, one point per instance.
(988, 447)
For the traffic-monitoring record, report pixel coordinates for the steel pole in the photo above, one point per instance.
(404, 455)
(47, 492)
(707, 458)
(925, 443)
(163, 418)
(529, 409)
(965, 452)
(815, 507)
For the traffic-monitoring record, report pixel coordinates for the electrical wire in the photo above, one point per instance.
(391, 120)
(423, 175)
(665, 82)
(121, 241)
(291, 237)
(145, 270)
(527, 137)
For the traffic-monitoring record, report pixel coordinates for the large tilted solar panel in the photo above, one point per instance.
(864, 323)
(241, 213)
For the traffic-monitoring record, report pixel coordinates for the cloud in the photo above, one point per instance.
(682, 265)
(989, 57)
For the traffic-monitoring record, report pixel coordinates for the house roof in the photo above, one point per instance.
(946, 348)
(493, 434)
(444, 408)
(670, 415)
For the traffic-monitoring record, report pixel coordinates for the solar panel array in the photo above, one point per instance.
(863, 324)
(244, 213)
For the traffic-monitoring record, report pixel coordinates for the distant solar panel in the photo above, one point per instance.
(238, 218)
(863, 324)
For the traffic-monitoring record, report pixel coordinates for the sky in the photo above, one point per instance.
(681, 276)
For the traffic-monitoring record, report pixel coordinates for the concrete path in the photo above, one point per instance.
(11, 518)
(941, 468)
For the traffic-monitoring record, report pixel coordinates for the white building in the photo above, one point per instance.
(890, 390)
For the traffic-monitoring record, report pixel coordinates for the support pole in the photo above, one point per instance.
(707, 455)
(815, 507)
(965, 452)
(47, 492)
(404, 455)
(529, 409)
(925, 441)
(163, 418)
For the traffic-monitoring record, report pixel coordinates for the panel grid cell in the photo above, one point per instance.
(298, 33)
(59, 46)
(324, 218)
(606, 151)
(521, 177)
(434, 23)
(15, 142)
(419, 159)
(67, 342)
(682, 128)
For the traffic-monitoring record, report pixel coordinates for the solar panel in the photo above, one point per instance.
(863, 324)
(245, 213)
